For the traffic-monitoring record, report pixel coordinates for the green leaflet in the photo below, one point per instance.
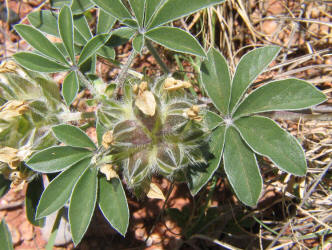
(92, 46)
(266, 138)
(176, 39)
(45, 21)
(4, 185)
(113, 204)
(60, 188)
(105, 22)
(38, 41)
(175, 9)
(216, 80)
(70, 87)
(38, 63)
(66, 30)
(77, 6)
(151, 7)
(198, 178)
(82, 204)
(32, 197)
(55, 159)
(106, 52)
(138, 43)
(138, 8)
(82, 26)
(60, 3)
(114, 8)
(289, 94)
(5, 237)
(72, 136)
(249, 67)
(80, 6)
(241, 168)
(212, 119)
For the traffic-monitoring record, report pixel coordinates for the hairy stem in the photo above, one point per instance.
(124, 70)
(157, 57)
(75, 116)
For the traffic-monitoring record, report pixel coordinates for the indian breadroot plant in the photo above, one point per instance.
(145, 126)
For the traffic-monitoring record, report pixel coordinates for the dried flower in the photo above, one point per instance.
(108, 171)
(107, 139)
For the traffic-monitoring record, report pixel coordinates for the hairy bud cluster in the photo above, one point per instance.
(154, 130)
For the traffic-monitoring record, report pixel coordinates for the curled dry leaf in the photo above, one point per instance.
(155, 192)
(12, 109)
(108, 171)
(171, 84)
(8, 67)
(10, 156)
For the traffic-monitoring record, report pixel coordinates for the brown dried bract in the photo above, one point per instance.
(109, 171)
(193, 112)
(12, 109)
(10, 156)
(8, 67)
(107, 139)
(171, 84)
(145, 100)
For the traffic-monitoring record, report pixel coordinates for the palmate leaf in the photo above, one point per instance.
(38, 41)
(250, 66)
(216, 80)
(289, 94)
(174, 9)
(176, 39)
(113, 204)
(55, 159)
(241, 168)
(70, 87)
(38, 63)
(82, 204)
(114, 8)
(73, 136)
(60, 188)
(66, 30)
(266, 138)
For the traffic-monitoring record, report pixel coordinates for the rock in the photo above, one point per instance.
(16, 236)
(63, 236)
(26, 230)
(274, 7)
(269, 27)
